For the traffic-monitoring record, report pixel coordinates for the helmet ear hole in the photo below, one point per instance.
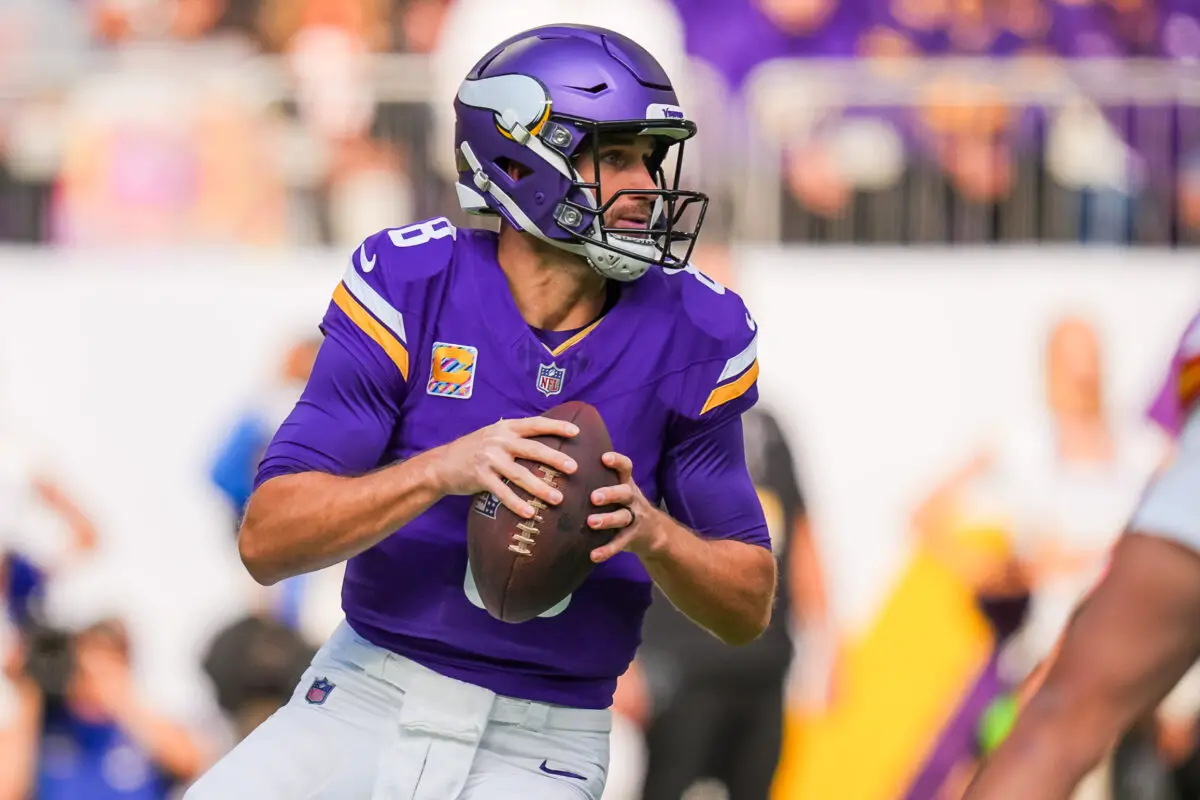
(513, 168)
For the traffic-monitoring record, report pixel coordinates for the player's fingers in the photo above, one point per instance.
(543, 454)
(621, 495)
(622, 464)
(542, 426)
(607, 551)
(528, 481)
(621, 518)
(511, 500)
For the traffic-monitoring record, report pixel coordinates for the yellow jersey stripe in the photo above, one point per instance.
(1189, 383)
(372, 328)
(733, 390)
(574, 340)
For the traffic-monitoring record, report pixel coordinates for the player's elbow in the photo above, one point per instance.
(255, 557)
(256, 551)
(746, 632)
(759, 601)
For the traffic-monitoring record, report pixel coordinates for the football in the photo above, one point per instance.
(523, 568)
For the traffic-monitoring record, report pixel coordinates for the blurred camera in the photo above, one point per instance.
(50, 659)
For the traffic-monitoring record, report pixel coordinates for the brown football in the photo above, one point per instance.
(523, 568)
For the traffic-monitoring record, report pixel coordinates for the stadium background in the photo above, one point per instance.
(910, 194)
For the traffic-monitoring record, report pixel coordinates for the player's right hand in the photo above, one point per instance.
(486, 460)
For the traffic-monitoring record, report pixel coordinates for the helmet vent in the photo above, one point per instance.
(597, 89)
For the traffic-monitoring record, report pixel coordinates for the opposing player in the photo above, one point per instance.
(1134, 637)
(442, 346)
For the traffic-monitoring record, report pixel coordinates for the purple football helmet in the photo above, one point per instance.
(535, 101)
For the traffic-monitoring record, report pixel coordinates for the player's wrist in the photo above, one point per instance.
(430, 475)
(656, 543)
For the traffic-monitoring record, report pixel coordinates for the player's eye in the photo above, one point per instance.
(614, 158)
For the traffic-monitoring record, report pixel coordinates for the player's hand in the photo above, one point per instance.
(641, 534)
(486, 460)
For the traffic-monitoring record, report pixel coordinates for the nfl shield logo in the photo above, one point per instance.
(550, 379)
(318, 692)
(487, 504)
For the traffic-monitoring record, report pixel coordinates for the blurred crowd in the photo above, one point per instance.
(78, 720)
(285, 122)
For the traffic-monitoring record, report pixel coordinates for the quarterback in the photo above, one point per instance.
(1134, 637)
(442, 348)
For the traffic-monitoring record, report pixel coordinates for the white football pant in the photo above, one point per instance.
(390, 729)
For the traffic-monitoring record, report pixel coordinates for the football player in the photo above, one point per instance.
(1137, 633)
(442, 347)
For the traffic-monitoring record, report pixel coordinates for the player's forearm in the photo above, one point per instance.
(305, 522)
(1129, 642)
(1047, 754)
(725, 586)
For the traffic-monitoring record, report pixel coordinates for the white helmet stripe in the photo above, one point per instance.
(520, 98)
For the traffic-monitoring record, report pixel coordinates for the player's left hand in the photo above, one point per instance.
(641, 532)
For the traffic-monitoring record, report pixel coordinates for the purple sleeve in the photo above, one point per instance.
(706, 484)
(344, 420)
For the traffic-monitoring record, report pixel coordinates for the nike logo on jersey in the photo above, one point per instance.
(366, 264)
(562, 773)
(751, 323)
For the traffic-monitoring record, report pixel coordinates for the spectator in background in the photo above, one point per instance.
(192, 20)
(38, 38)
(1059, 492)
(736, 36)
(965, 524)
(255, 664)
(43, 532)
(1075, 476)
(94, 737)
(328, 46)
(172, 144)
(307, 603)
(1188, 196)
(232, 469)
(417, 24)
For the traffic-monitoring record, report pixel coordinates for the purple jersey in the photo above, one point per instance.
(424, 344)
(1181, 389)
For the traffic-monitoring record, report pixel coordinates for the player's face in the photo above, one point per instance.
(623, 166)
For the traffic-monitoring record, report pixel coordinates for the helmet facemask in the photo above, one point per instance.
(675, 215)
